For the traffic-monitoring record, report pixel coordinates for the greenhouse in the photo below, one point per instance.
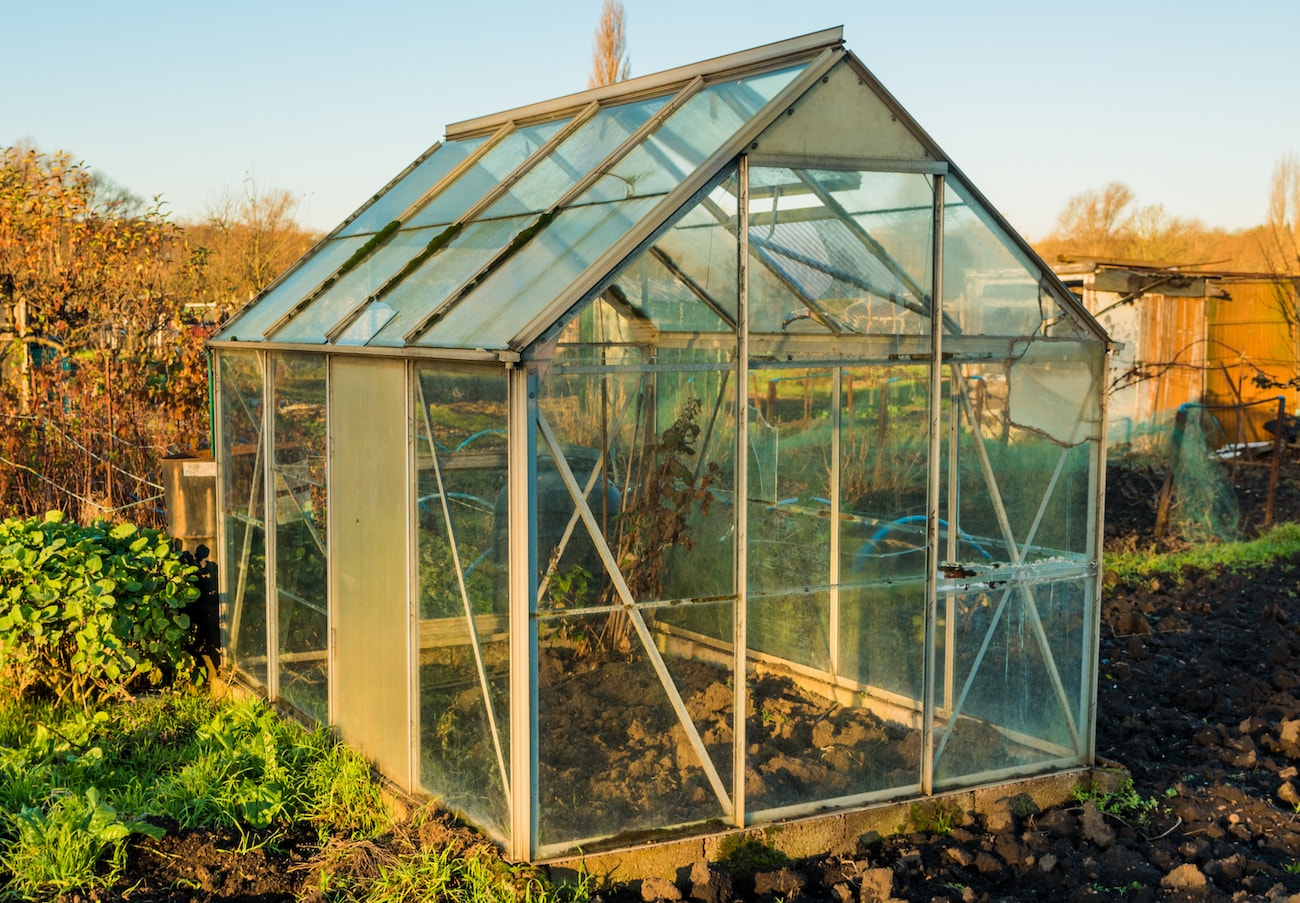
(696, 451)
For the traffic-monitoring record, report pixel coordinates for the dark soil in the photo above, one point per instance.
(1199, 699)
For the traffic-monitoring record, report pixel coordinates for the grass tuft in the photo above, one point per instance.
(76, 785)
(1282, 541)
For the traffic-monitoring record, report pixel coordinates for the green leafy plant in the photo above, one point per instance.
(89, 611)
(75, 784)
(568, 589)
(1124, 802)
(60, 847)
(446, 874)
(249, 770)
(935, 816)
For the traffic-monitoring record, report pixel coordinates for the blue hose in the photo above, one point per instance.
(866, 550)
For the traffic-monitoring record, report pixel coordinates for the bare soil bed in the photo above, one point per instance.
(1199, 698)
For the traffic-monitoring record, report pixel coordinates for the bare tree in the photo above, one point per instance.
(609, 61)
(249, 236)
(1282, 228)
(1280, 237)
(1095, 220)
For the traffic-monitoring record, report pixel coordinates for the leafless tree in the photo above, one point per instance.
(249, 236)
(1095, 220)
(1280, 237)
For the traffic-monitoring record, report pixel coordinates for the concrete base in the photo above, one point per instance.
(838, 832)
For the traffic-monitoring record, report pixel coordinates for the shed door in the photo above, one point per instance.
(369, 531)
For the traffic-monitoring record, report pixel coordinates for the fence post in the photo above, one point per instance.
(1279, 431)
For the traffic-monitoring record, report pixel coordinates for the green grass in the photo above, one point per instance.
(76, 786)
(445, 876)
(1124, 802)
(1283, 541)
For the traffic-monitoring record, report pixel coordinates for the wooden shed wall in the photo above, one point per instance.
(1173, 333)
(1248, 334)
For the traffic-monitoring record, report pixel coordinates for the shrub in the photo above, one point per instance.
(89, 611)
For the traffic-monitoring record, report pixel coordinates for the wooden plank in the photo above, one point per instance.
(439, 632)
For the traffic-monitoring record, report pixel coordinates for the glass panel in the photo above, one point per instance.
(613, 756)
(659, 442)
(309, 274)
(1055, 388)
(486, 173)
(506, 302)
(687, 281)
(423, 290)
(804, 746)
(1017, 688)
(790, 532)
(688, 137)
(564, 167)
(990, 286)
(836, 644)
(243, 496)
(852, 250)
(883, 472)
(461, 503)
(300, 516)
(367, 324)
(394, 202)
(359, 283)
(1042, 486)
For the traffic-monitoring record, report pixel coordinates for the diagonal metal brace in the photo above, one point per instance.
(634, 613)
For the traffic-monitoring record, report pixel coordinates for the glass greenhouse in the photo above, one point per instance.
(696, 451)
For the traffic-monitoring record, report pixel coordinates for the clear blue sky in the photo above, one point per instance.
(1190, 103)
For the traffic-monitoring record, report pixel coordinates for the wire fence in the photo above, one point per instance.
(1196, 492)
(88, 473)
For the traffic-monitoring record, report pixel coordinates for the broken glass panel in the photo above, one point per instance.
(990, 285)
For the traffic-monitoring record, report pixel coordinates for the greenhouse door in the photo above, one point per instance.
(371, 618)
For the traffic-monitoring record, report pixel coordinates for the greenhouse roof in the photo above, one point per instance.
(490, 238)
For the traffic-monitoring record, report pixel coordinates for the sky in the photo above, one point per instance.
(1189, 103)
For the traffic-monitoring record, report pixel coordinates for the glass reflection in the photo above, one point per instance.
(299, 508)
(243, 496)
(462, 509)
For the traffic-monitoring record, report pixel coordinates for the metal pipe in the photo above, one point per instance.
(935, 411)
(740, 623)
(270, 513)
(837, 463)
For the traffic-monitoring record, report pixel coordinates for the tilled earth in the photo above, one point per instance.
(1199, 698)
